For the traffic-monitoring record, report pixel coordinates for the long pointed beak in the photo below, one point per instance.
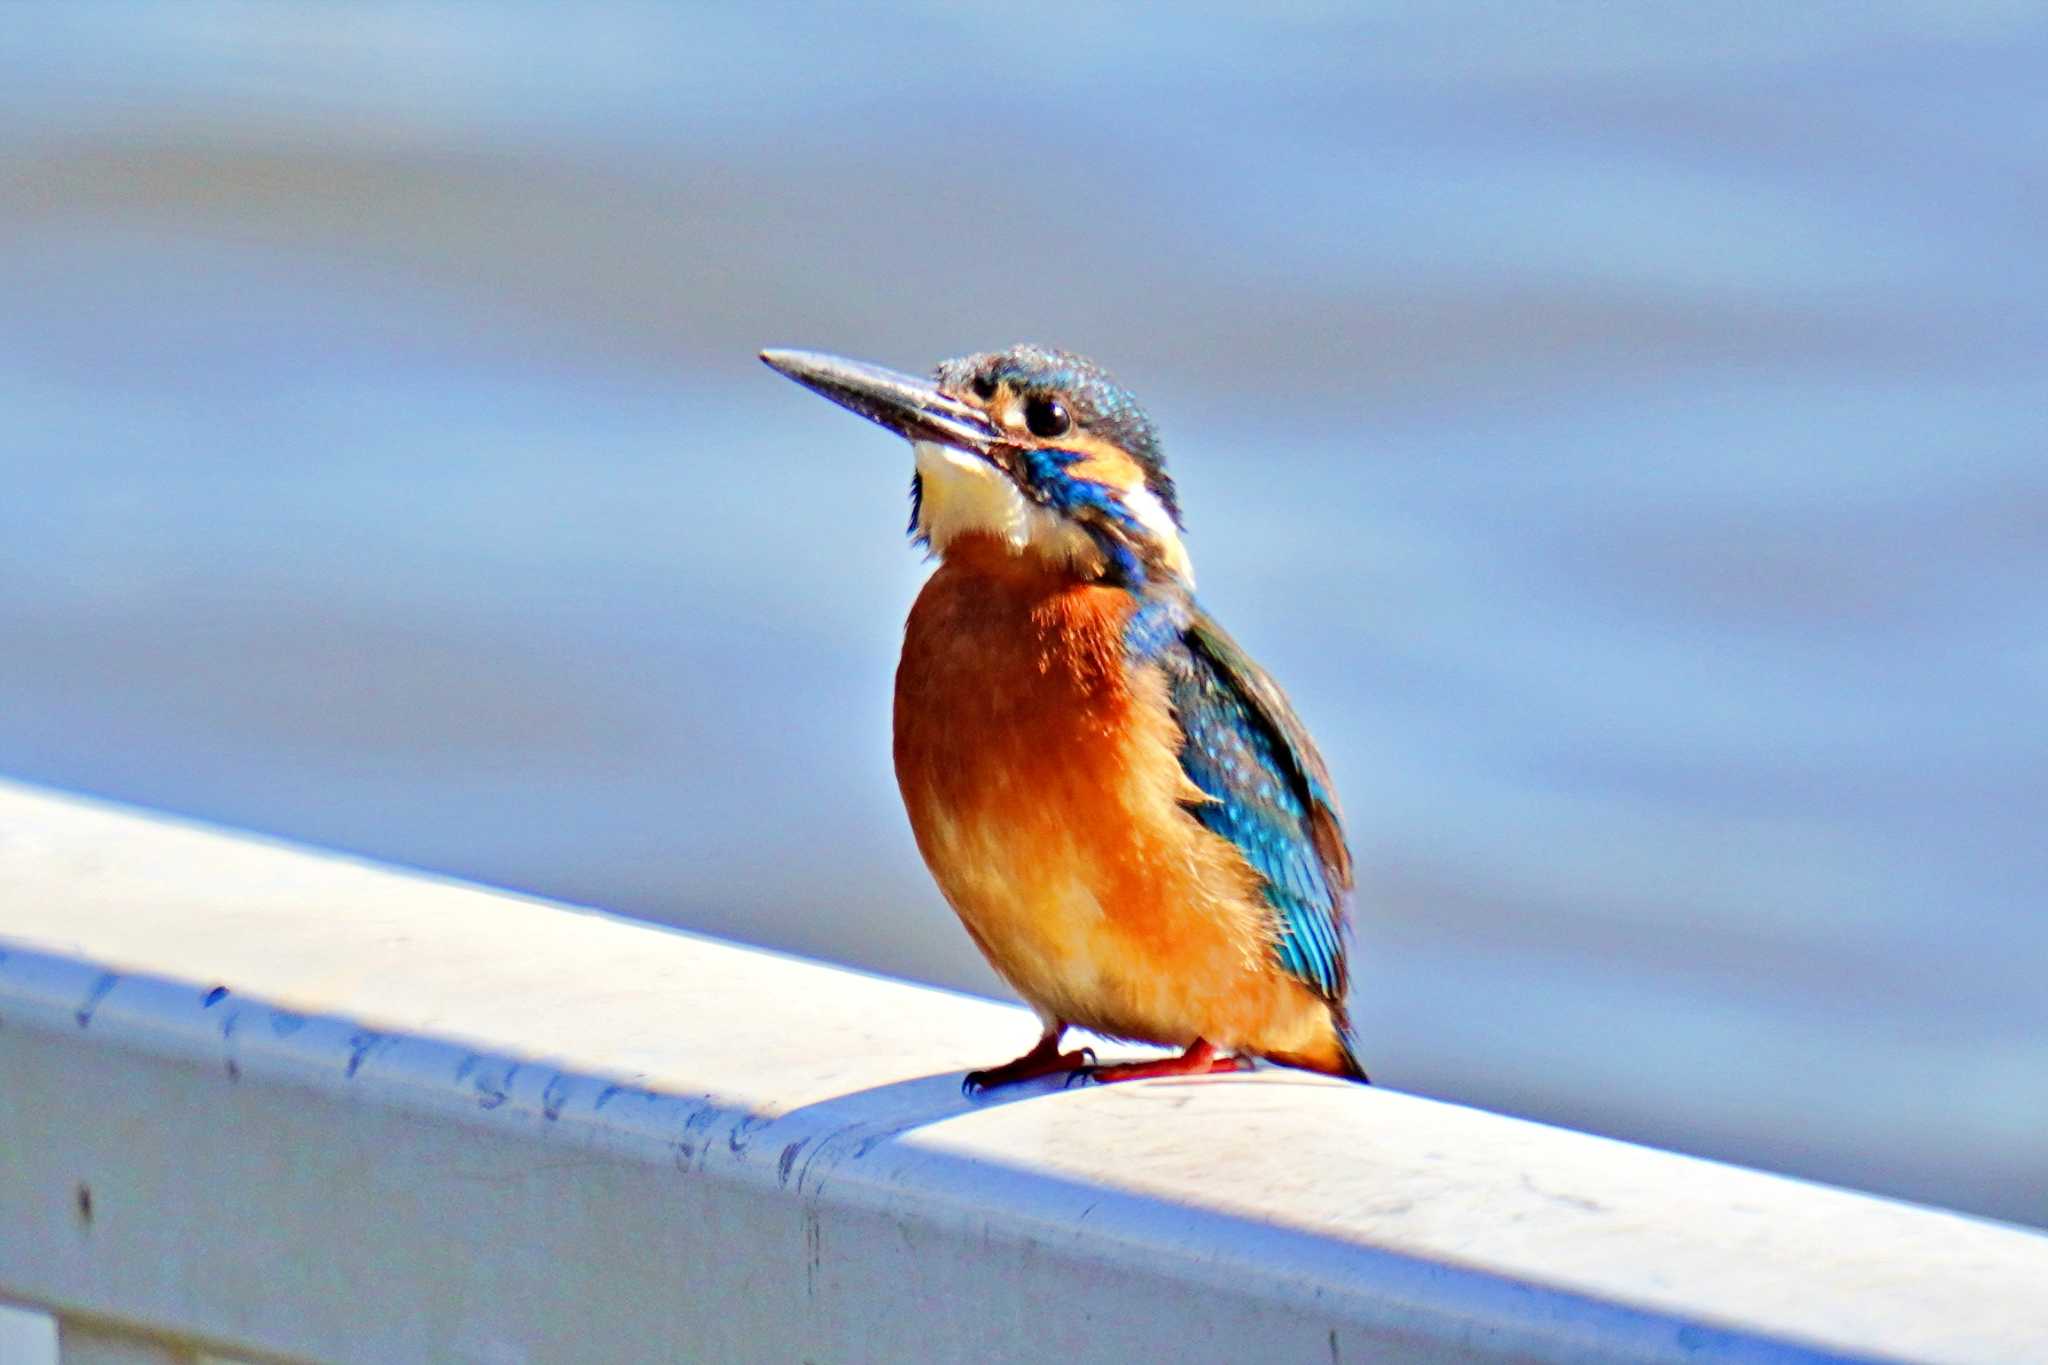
(912, 408)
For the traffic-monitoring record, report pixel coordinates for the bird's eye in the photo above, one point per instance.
(1047, 417)
(984, 387)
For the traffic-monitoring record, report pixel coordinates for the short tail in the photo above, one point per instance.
(1347, 1047)
(1336, 1057)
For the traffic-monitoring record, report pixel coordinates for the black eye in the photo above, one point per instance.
(1047, 417)
(984, 387)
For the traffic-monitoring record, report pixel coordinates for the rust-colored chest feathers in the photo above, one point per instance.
(1041, 775)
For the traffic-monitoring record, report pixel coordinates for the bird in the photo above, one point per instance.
(1122, 808)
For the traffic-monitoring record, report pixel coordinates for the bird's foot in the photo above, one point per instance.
(1201, 1059)
(1044, 1060)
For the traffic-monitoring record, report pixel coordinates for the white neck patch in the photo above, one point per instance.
(966, 495)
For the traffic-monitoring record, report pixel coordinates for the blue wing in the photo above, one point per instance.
(1271, 796)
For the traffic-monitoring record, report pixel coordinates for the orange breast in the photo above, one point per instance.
(1043, 785)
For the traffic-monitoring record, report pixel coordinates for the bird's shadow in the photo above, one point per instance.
(821, 1136)
(851, 1125)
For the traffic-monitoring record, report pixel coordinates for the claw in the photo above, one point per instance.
(1043, 1060)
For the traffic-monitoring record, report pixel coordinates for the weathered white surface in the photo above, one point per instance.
(426, 1121)
(26, 1337)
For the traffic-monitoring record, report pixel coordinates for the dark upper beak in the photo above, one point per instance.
(912, 408)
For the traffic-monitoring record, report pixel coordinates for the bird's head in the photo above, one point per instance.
(1032, 449)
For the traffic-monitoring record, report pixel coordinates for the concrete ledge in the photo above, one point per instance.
(275, 1103)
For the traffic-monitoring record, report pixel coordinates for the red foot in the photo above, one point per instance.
(1201, 1059)
(1045, 1059)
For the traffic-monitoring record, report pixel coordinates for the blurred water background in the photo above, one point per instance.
(1620, 430)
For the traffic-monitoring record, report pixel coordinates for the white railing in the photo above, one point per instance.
(268, 1103)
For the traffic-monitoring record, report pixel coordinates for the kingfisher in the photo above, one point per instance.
(1122, 808)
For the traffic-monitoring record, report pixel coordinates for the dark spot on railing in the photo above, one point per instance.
(228, 1025)
(1570, 1201)
(490, 1092)
(694, 1127)
(85, 1203)
(742, 1134)
(1694, 1338)
(92, 1000)
(284, 1024)
(554, 1096)
(214, 996)
(814, 1250)
(787, 1162)
(360, 1045)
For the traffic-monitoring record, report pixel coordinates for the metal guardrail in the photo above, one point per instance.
(270, 1103)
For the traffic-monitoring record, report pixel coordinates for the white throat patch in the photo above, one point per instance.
(966, 495)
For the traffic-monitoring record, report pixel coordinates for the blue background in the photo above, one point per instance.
(1620, 430)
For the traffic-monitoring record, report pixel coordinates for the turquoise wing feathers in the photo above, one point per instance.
(1270, 795)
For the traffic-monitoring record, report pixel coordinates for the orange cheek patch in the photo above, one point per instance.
(1103, 463)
